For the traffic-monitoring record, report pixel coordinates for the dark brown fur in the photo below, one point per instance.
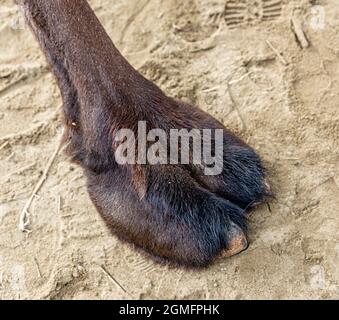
(173, 212)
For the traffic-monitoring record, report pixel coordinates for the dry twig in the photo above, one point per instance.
(24, 220)
(4, 145)
(299, 33)
(113, 279)
(235, 104)
(279, 55)
(58, 205)
(37, 267)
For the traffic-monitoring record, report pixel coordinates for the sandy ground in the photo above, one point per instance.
(284, 102)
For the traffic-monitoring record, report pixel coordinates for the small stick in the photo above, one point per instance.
(268, 207)
(235, 105)
(210, 89)
(76, 178)
(113, 280)
(299, 32)
(241, 78)
(4, 145)
(37, 267)
(160, 284)
(24, 221)
(282, 59)
(10, 157)
(59, 205)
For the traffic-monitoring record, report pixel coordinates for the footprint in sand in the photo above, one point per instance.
(249, 12)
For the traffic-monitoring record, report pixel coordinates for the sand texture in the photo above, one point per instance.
(254, 71)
